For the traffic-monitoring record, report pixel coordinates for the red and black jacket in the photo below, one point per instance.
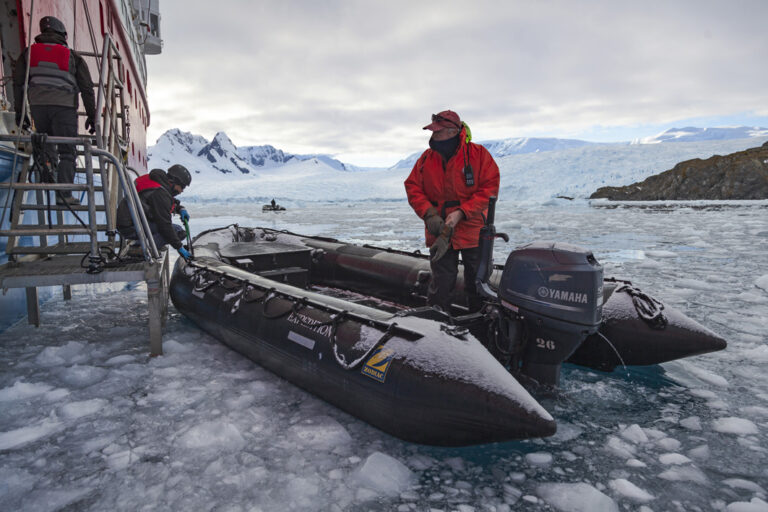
(434, 182)
(56, 75)
(158, 202)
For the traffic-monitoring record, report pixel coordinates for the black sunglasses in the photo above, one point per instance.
(437, 118)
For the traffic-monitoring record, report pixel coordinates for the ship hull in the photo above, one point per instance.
(87, 23)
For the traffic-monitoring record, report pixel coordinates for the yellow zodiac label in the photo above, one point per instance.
(377, 365)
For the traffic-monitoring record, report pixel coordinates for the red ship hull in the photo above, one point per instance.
(87, 23)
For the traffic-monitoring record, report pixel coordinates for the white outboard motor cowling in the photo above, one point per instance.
(556, 291)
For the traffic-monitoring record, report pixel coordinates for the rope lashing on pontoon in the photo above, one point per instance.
(648, 308)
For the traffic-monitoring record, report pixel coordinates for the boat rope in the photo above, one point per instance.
(200, 284)
(237, 296)
(354, 364)
(99, 263)
(200, 279)
(649, 309)
(112, 260)
(272, 294)
(235, 233)
(614, 349)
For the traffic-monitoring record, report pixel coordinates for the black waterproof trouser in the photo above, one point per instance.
(129, 232)
(58, 121)
(444, 274)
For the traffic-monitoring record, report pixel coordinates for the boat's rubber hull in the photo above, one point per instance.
(429, 383)
(410, 401)
(626, 339)
(633, 341)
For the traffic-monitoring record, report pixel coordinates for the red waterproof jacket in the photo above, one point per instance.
(433, 182)
(158, 204)
(56, 75)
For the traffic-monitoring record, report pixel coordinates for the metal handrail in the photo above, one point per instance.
(111, 133)
(108, 79)
(138, 216)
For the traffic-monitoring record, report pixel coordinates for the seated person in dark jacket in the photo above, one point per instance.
(157, 191)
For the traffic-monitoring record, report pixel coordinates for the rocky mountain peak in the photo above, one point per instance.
(222, 155)
(176, 138)
(740, 175)
(264, 156)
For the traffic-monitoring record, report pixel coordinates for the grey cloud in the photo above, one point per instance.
(356, 76)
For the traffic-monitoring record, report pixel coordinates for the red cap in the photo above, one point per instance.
(445, 119)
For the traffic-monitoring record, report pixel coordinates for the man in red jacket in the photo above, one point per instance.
(57, 74)
(449, 189)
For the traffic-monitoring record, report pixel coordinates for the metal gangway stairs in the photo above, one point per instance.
(52, 244)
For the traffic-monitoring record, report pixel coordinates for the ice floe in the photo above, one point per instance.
(577, 497)
(627, 489)
(736, 426)
(384, 475)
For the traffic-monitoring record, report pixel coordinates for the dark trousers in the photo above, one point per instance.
(129, 232)
(57, 121)
(444, 274)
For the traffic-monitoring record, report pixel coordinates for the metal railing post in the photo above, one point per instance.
(95, 256)
(134, 206)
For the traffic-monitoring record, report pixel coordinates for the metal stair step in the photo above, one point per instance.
(71, 248)
(59, 207)
(55, 186)
(37, 230)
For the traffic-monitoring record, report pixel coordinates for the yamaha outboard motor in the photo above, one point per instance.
(555, 291)
(550, 298)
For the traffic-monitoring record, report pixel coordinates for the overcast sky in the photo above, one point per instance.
(358, 79)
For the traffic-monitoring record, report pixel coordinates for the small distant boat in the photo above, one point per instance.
(348, 323)
(272, 207)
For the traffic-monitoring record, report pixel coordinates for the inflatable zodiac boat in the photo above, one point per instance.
(348, 323)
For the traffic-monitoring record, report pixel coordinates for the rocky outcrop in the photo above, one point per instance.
(742, 175)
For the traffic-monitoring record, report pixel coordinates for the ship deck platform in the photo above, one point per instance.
(68, 271)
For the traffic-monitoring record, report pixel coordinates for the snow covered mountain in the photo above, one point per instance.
(513, 146)
(693, 134)
(177, 141)
(524, 145)
(264, 156)
(531, 169)
(531, 177)
(518, 146)
(220, 156)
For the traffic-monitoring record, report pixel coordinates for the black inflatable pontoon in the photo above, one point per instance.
(348, 324)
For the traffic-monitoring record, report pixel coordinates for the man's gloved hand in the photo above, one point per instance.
(441, 245)
(184, 214)
(184, 253)
(433, 221)
(90, 125)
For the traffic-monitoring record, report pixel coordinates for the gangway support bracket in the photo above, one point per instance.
(158, 284)
(33, 307)
(66, 271)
